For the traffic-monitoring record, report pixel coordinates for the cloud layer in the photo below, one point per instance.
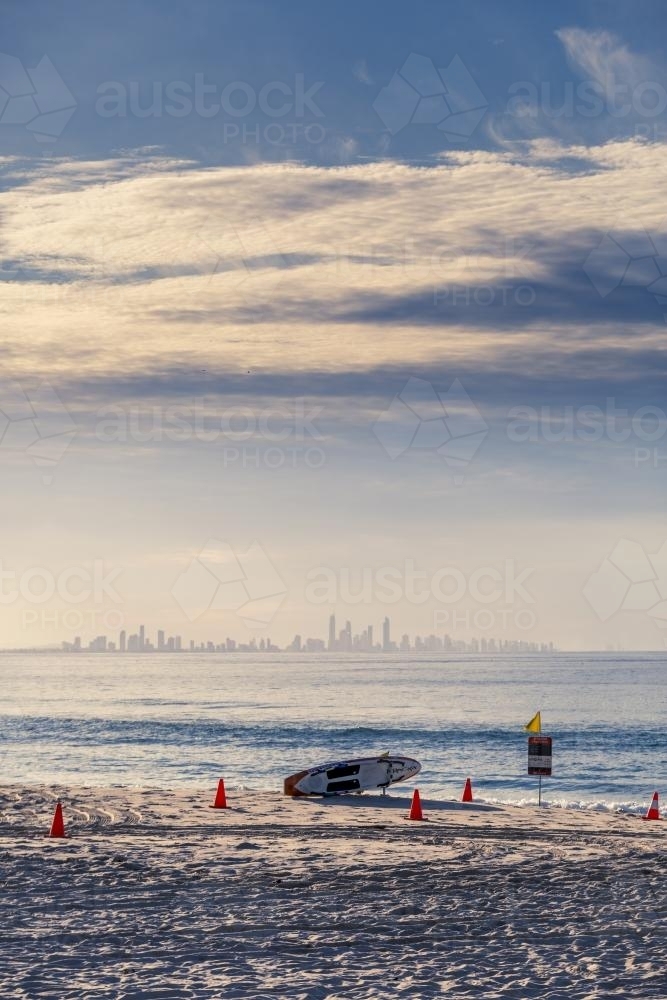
(132, 268)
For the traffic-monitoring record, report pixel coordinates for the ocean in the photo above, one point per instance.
(167, 720)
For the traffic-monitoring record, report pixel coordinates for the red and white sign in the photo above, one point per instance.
(539, 755)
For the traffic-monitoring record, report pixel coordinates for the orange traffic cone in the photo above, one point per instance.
(416, 806)
(653, 809)
(58, 825)
(220, 798)
(467, 791)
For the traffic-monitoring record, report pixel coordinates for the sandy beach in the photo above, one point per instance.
(154, 894)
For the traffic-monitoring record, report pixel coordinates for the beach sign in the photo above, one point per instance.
(539, 752)
(539, 756)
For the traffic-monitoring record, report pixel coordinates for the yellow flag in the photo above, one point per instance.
(535, 724)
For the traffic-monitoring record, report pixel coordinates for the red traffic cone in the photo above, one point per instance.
(58, 825)
(467, 791)
(416, 806)
(653, 809)
(220, 798)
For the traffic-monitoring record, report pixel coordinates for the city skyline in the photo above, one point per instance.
(343, 641)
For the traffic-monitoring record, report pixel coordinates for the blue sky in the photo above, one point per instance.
(350, 49)
(255, 325)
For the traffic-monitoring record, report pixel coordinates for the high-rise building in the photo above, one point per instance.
(332, 632)
(122, 641)
(386, 635)
(142, 638)
(160, 639)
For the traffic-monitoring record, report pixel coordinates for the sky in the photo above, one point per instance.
(352, 308)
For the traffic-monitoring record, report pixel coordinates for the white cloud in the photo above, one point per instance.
(362, 73)
(601, 56)
(135, 265)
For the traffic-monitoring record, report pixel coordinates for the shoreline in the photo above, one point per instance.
(203, 787)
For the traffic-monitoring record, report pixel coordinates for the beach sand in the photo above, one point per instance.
(155, 895)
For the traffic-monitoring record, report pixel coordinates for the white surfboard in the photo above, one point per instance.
(357, 774)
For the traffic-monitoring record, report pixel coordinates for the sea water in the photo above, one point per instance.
(185, 719)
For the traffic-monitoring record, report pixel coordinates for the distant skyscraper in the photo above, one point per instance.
(332, 632)
(345, 642)
(386, 635)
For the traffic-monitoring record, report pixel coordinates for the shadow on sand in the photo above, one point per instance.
(394, 802)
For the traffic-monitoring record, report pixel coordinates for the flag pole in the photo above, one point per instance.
(535, 726)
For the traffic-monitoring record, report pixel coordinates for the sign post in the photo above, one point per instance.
(539, 759)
